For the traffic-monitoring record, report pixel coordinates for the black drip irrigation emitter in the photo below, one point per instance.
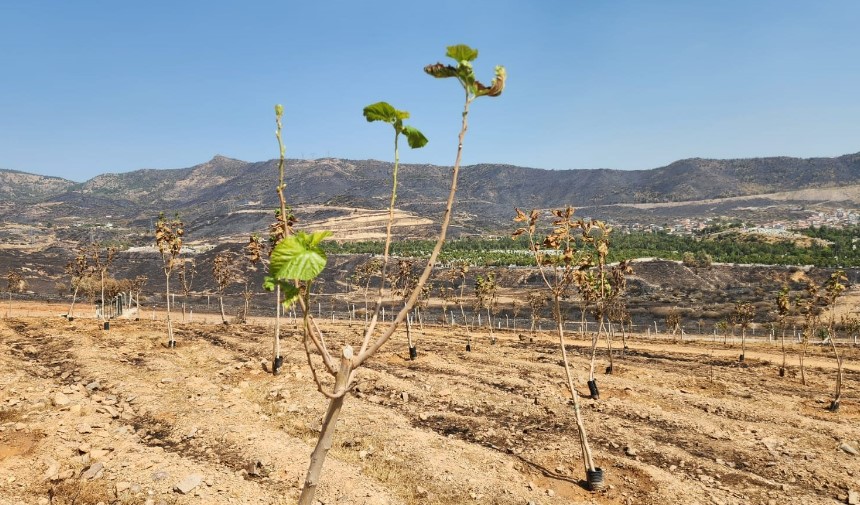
(413, 352)
(592, 388)
(595, 479)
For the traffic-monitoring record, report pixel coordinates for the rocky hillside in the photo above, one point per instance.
(21, 187)
(207, 193)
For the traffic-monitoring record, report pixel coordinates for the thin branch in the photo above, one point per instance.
(367, 353)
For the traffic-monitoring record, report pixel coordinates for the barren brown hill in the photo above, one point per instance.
(207, 193)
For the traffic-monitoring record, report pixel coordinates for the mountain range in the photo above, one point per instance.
(225, 197)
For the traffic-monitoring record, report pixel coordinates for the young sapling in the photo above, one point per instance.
(833, 288)
(486, 298)
(168, 238)
(783, 309)
(743, 315)
(79, 270)
(558, 260)
(225, 272)
(298, 259)
(186, 279)
(15, 283)
(282, 228)
(101, 260)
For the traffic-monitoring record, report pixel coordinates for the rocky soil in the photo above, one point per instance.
(91, 416)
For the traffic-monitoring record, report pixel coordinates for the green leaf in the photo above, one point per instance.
(290, 293)
(269, 283)
(299, 256)
(415, 138)
(382, 111)
(462, 52)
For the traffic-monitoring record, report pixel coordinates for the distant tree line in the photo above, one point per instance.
(699, 251)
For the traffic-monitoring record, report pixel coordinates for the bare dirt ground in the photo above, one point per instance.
(91, 416)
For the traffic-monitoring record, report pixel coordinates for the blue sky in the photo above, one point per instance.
(89, 87)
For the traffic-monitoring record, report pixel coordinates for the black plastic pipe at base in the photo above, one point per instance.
(609, 370)
(276, 364)
(171, 344)
(782, 372)
(70, 318)
(741, 358)
(413, 352)
(493, 341)
(592, 388)
(107, 325)
(595, 479)
(468, 347)
(834, 406)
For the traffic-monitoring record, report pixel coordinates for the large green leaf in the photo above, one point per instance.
(381, 111)
(462, 52)
(415, 138)
(299, 256)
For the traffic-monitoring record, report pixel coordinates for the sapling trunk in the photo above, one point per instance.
(327, 431)
(276, 343)
(743, 343)
(587, 460)
(594, 338)
(782, 368)
(837, 395)
(102, 282)
(74, 297)
(221, 305)
(608, 345)
(802, 357)
(409, 332)
(169, 323)
(623, 339)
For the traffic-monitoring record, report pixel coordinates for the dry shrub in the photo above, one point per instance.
(81, 492)
(9, 415)
(403, 478)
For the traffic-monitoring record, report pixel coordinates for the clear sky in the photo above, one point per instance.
(88, 87)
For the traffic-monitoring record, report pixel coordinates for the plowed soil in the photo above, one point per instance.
(89, 415)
